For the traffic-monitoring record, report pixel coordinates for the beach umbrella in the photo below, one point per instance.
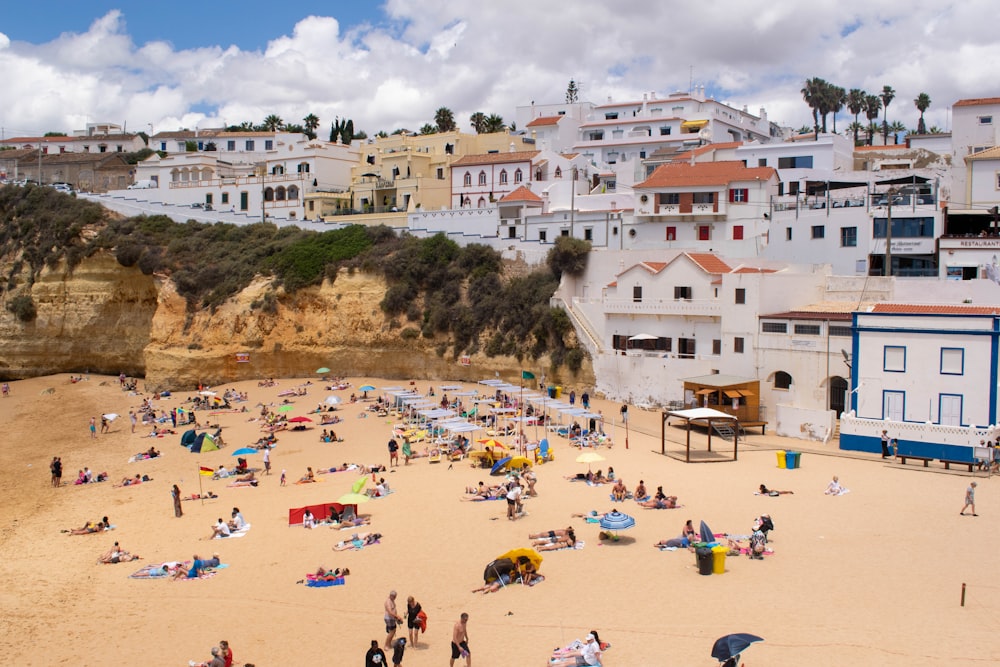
(496, 568)
(353, 499)
(359, 484)
(299, 420)
(588, 458)
(286, 407)
(499, 465)
(706, 533)
(244, 450)
(366, 387)
(491, 443)
(524, 552)
(517, 462)
(732, 645)
(323, 370)
(207, 393)
(615, 520)
(333, 400)
(111, 416)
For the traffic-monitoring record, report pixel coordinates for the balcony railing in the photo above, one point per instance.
(664, 307)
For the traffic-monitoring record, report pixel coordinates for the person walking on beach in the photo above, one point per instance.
(392, 619)
(283, 477)
(413, 623)
(105, 425)
(970, 499)
(56, 469)
(6, 390)
(460, 641)
(885, 444)
(375, 656)
(175, 493)
(93, 427)
(267, 460)
(393, 454)
(132, 419)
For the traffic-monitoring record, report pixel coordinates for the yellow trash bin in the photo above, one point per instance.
(558, 392)
(719, 559)
(781, 458)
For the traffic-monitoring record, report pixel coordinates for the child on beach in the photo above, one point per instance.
(283, 478)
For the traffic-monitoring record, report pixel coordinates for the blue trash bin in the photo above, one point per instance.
(552, 391)
(792, 459)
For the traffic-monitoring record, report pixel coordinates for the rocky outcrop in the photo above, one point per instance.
(106, 318)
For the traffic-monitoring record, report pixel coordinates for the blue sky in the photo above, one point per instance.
(389, 65)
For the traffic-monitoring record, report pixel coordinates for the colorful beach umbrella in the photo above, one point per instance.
(517, 462)
(366, 387)
(286, 407)
(615, 520)
(300, 419)
(359, 484)
(524, 552)
(244, 450)
(323, 370)
(731, 646)
(491, 443)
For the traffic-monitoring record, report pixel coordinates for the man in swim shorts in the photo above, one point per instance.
(460, 642)
(392, 619)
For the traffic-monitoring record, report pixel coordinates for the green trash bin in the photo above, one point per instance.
(781, 458)
(792, 460)
(719, 559)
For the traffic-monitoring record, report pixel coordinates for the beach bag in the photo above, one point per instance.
(757, 541)
(422, 620)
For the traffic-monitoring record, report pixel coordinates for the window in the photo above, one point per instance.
(512, 232)
(669, 198)
(839, 330)
(807, 329)
(704, 198)
(225, 197)
(737, 232)
(762, 162)
(467, 179)
(704, 233)
(482, 178)
(774, 327)
(558, 172)
(986, 120)
(637, 293)
(597, 136)
(163, 146)
(249, 144)
(302, 168)
(208, 197)
(244, 201)
(543, 235)
(741, 295)
(716, 347)
(904, 228)
(800, 162)
(818, 231)
(682, 293)
(231, 145)
(611, 115)
(738, 195)
(738, 345)
(671, 233)
(848, 237)
(588, 234)
(440, 173)
(782, 380)
(788, 234)
(481, 203)
(952, 361)
(664, 131)
(269, 144)
(518, 176)
(685, 348)
(894, 359)
(503, 177)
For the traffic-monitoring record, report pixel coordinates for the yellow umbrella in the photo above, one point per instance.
(589, 457)
(518, 462)
(359, 484)
(353, 499)
(526, 552)
(491, 443)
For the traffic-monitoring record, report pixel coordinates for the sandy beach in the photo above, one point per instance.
(870, 577)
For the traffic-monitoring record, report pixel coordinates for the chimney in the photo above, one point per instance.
(512, 147)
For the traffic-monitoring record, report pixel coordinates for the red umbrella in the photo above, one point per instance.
(298, 420)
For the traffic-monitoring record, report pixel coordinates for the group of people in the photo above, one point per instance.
(226, 528)
(222, 656)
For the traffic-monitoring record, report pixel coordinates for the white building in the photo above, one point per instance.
(95, 138)
(975, 127)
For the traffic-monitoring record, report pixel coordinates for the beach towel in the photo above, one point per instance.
(313, 582)
(628, 496)
(242, 532)
(422, 620)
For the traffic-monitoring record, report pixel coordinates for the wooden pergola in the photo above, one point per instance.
(706, 415)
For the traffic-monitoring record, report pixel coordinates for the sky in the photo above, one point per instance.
(391, 64)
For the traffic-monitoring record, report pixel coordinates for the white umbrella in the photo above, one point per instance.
(643, 336)
(207, 393)
(332, 400)
(111, 416)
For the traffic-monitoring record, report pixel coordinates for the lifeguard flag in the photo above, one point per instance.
(525, 375)
(207, 472)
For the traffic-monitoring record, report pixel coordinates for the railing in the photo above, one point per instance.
(664, 306)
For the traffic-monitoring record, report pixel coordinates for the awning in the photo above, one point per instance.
(815, 187)
(702, 392)
(904, 180)
(693, 124)
(733, 393)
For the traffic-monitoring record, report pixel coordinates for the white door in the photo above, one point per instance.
(892, 406)
(951, 410)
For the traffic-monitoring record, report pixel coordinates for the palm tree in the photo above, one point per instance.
(494, 123)
(478, 122)
(311, 122)
(428, 129)
(886, 96)
(445, 120)
(895, 129)
(873, 104)
(856, 103)
(838, 100)
(922, 102)
(854, 128)
(811, 93)
(273, 123)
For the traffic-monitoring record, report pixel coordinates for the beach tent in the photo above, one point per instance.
(203, 443)
(188, 438)
(320, 512)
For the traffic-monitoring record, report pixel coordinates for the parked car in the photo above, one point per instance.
(143, 185)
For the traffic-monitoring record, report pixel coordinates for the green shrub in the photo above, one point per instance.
(23, 307)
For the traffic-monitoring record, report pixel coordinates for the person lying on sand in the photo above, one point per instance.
(660, 501)
(357, 542)
(764, 491)
(551, 534)
(90, 527)
(566, 540)
(327, 575)
(133, 481)
(197, 496)
(117, 555)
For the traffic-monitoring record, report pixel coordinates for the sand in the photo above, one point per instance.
(871, 577)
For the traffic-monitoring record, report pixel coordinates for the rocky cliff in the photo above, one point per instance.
(106, 318)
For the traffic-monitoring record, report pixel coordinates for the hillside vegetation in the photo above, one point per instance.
(459, 297)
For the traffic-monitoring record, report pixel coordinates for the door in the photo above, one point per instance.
(244, 201)
(892, 406)
(838, 394)
(950, 410)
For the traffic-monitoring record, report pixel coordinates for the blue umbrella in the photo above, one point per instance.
(366, 387)
(731, 646)
(706, 533)
(499, 465)
(244, 450)
(615, 520)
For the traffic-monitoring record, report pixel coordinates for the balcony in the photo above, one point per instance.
(705, 308)
(672, 210)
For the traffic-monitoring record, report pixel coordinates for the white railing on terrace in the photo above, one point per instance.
(591, 339)
(238, 181)
(967, 436)
(663, 306)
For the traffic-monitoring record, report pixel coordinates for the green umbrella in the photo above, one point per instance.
(359, 484)
(353, 499)
(322, 370)
(286, 407)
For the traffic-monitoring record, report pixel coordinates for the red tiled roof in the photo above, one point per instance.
(934, 309)
(887, 147)
(753, 269)
(807, 315)
(545, 120)
(522, 194)
(495, 158)
(977, 101)
(708, 262)
(34, 140)
(613, 284)
(682, 174)
(707, 148)
(651, 267)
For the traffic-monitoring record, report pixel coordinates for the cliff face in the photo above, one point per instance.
(108, 318)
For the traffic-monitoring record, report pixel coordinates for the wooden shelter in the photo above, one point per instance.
(705, 415)
(731, 394)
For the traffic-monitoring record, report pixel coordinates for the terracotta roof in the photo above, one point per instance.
(522, 194)
(37, 140)
(545, 120)
(934, 309)
(613, 284)
(708, 262)
(495, 158)
(887, 147)
(988, 154)
(977, 101)
(682, 174)
(707, 148)
(753, 269)
(651, 267)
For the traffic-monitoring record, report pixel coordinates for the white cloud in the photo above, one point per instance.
(492, 57)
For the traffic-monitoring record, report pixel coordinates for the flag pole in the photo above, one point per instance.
(201, 494)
